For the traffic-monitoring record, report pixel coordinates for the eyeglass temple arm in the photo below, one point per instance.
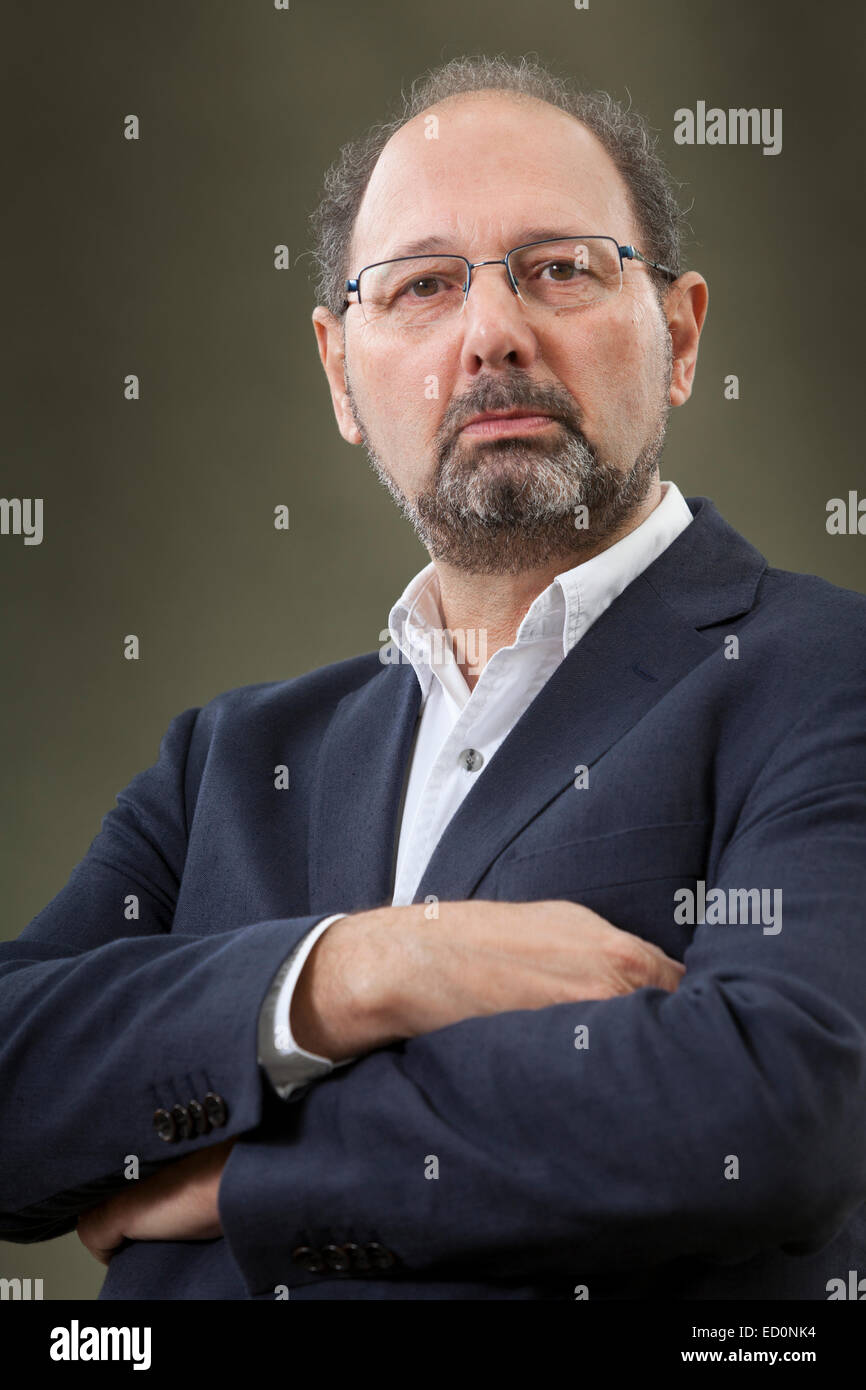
(631, 254)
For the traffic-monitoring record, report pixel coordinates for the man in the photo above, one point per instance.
(523, 959)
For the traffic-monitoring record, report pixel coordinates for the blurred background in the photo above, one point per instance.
(156, 257)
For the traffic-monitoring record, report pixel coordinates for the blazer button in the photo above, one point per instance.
(379, 1256)
(360, 1263)
(215, 1108)
(163, 1123)
(308, 1258)
(198, 1117)
(335, 1257)
(181, 1117)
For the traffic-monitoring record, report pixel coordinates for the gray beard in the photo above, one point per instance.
(506, 505)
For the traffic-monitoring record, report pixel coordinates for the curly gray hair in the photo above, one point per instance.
(624, 134)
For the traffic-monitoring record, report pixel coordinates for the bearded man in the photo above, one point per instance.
(546, 977)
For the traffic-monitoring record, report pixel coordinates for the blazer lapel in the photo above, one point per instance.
(641, 646)
(362, 763)
(646, 641)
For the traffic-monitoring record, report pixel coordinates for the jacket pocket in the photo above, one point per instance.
(627, 876)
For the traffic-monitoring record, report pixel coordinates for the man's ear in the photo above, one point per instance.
(329, 335)
(685, 307)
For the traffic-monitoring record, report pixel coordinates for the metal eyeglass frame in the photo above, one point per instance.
(626, 253)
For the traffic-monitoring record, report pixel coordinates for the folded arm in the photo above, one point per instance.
(554, 1158)
(108, 1018)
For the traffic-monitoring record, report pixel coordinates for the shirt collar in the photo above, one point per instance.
(562, 612)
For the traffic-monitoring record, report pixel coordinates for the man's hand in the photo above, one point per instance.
(177, 1203)
(391, 973)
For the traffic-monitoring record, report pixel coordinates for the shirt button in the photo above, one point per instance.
(471, 759)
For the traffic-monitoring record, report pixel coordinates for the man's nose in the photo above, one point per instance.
(496, 326)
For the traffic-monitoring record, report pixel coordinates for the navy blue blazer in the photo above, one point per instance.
(706, 1143)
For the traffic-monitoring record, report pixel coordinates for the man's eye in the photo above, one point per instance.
(425, 288)
(563, 271)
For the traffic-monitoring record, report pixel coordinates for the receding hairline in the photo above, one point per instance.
(487, 95)
(624, 134)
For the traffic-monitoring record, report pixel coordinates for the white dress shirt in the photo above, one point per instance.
(460, 730)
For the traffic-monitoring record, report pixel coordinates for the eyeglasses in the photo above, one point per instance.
(573, 272)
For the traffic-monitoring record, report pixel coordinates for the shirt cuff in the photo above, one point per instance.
(289, 1067)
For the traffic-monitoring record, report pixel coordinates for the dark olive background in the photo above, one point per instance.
(156, 257)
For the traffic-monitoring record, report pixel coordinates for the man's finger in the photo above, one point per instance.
(99, 1233)
(666, 973)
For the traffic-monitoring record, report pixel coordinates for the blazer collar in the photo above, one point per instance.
(642, 645)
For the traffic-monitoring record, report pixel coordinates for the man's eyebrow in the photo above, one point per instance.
(431, 245)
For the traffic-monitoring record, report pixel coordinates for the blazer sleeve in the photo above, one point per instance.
(722, 1120)
(106, 1018)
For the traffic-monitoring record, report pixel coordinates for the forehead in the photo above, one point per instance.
(483, 172)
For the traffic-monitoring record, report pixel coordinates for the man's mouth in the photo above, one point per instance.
(495, 423)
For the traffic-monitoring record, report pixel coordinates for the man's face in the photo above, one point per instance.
(502, 173)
